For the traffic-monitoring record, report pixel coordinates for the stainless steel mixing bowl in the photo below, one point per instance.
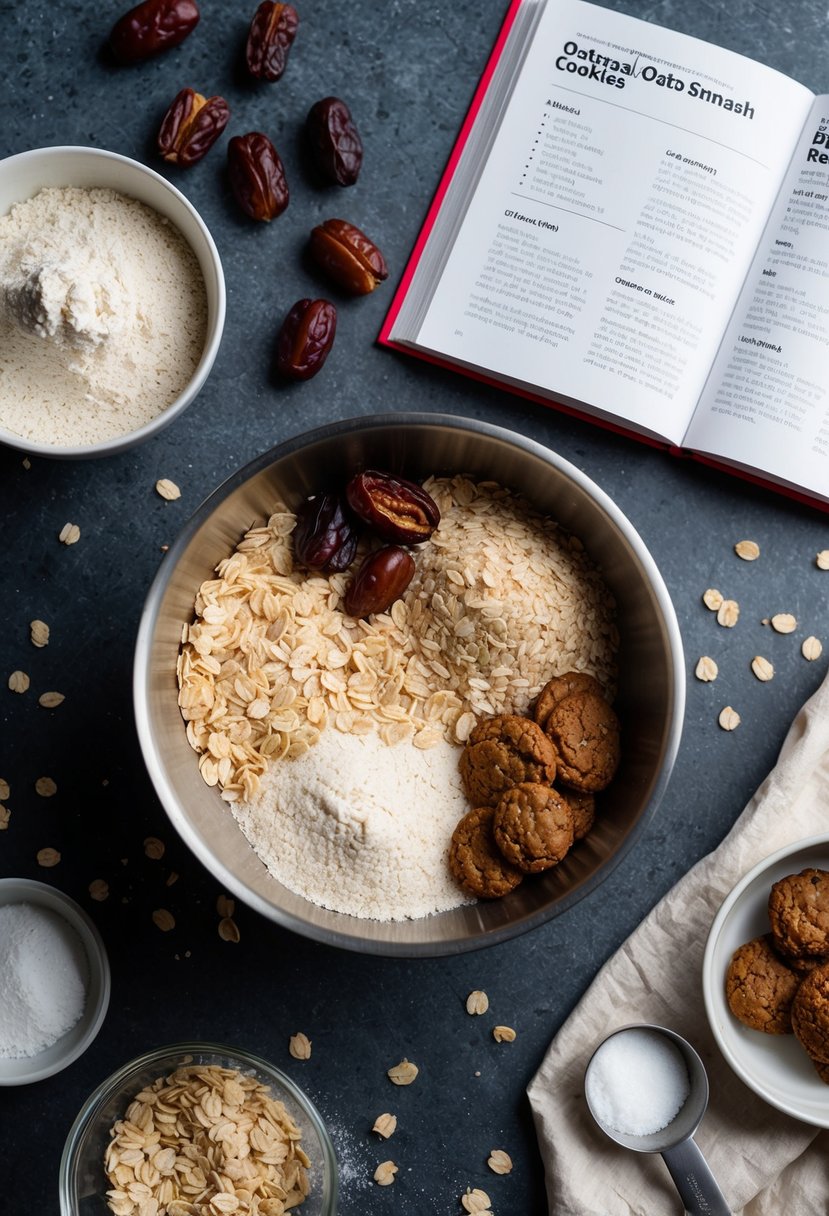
(651, 676)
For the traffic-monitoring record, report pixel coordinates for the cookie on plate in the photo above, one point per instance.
(503, 751)
(760, 987)
(584, 731)
(558, 688)
(475, 859)
(533, 827)
(799, 913)
(810, 1013)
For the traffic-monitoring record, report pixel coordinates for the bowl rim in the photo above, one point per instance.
(213, 337)
(143, 655)
(712, 983)
(92, 1018)
(155, 1056)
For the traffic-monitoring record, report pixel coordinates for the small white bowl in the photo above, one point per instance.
(76, 1040)
(775, 1066)
(22, 176)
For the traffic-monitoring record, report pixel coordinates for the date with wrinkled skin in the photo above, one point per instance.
(394, 508)
(381, 579)
(257, 176)
(153, 26)
(324, 537)
(334, 141)
(191, 127)
(348, 256)
(306, 338)
(270, 38)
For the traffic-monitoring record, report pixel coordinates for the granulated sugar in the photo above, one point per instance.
(102, 316)
(637, 1082)
(361, 827)
(43, 971)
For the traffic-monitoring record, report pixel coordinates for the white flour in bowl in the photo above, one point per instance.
(102, 316)
(361, 827)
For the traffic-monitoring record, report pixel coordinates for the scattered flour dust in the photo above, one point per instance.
(360, 827)
(102, 315)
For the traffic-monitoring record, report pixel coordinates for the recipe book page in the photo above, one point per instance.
(766, 405)
(615, 218)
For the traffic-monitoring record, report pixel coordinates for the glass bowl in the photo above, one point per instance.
(83, 1184)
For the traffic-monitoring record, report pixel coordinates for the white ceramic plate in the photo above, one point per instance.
(775, 1066)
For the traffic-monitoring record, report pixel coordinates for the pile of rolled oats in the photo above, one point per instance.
(205, 1141)
(501, 600)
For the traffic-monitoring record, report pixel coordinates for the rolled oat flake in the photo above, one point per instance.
(44, 973)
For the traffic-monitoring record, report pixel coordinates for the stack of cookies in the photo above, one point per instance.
(779, 983)
(531, 783)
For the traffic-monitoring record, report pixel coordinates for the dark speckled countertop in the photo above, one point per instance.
(408, 72)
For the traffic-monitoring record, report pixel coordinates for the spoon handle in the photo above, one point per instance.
(693, 1179)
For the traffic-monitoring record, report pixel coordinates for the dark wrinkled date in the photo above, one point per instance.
(191, 126)
(257, 177)
(324, 537)
(334, 141)
(271, 36)
(381, 579)
(306, 337)
(348, 256)
(155, 25)
(396, 509)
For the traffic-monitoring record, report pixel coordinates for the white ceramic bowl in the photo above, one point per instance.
(22, 176)
(76, 1040)
(775, 1066)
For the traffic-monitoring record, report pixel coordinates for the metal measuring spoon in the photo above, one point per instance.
(688, 1168)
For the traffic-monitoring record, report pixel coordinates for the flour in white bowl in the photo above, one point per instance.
(360, 827)
(102, 316)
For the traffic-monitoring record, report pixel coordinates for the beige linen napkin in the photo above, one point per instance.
(766, 1163)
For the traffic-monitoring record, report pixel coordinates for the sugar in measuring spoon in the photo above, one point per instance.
(647, 1089)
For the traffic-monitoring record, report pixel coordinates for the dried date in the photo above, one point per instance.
(257, 177)
(324, 537)
(348, 256)
(396, 509)
(270, 38)
(155, 25)
(305, 339)
(334, 141)
(191, 126)
(381, 579)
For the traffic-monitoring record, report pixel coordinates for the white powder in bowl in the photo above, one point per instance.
(637, 1082)
(102, 316)
(43, 977)
(360, 827)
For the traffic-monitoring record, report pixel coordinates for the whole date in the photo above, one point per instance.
(347, 256)
(270, 38)
(153, 26)
(334, 141)
(324, 536)
(381, 579)
(306, 338)
(191, 126)
(257, 177)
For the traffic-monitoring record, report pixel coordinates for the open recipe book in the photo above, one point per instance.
(633, 226)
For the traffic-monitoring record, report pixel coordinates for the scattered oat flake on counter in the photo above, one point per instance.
(300, 1046)
(499, 1161)
(39, 633)
(728, 614)
(171, 878)
(748, 550)
(706, 669)
(164, 920)
(477, 1002)
(69, 534)
(99, 890)
(403, 1073)
(18, 681)
(503, 1034)
(167, 489)
(51, 700)
(225, 906)
(27, 464)
(48, 858)
(153, 848)
(784, 622)
(476, 1202)
(385, 1125)
(811, 649)
(712, 598)
(4, 789)
(384, 1174)
(46, 787)
(229, 930)
(729, 719)
(762, 668)
(5, 816)
(822, 560)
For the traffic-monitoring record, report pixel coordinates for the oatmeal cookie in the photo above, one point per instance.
(533, 827)
(558, 688)
(760, 987)
(504, 751)
(583, 806)
(810, 1013)
(799, 913)
(476, 861)
(585, 734)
